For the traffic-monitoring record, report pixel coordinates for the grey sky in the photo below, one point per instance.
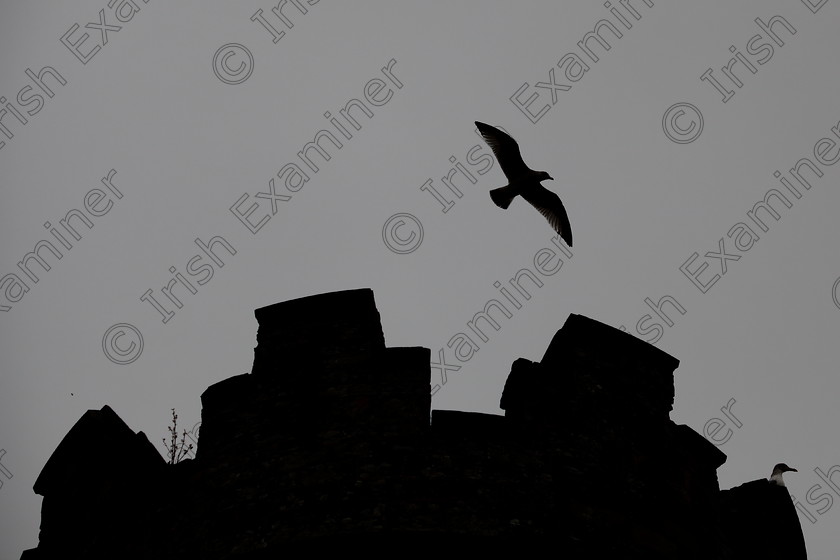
(185, 147)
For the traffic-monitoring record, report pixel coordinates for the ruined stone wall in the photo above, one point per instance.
(327, 446)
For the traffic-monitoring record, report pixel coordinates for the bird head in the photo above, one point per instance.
(783, 468)
(778, 470)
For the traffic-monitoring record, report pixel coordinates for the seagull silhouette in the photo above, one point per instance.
(778, 471)
(524, 181)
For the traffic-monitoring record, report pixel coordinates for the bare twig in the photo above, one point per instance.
(176, 450)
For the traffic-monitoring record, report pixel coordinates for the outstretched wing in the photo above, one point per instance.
(550, 206)
(506, 150)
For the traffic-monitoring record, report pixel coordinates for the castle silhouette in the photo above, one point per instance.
(327, 446)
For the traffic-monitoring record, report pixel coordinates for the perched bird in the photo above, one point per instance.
(776, 477)
(524, 181)
(759, 519)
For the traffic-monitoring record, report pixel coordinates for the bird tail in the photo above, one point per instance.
(503, 196)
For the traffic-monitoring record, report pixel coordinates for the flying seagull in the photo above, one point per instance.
(524, 181)
(778, 470)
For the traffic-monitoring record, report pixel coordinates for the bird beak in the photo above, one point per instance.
(550, 178)
(794, 470)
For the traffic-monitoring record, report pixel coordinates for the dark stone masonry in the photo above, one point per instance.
(327, 446)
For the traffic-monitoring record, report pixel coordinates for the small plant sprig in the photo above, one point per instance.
(176, 450)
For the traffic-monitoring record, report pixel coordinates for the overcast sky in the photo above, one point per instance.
(194, 114)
